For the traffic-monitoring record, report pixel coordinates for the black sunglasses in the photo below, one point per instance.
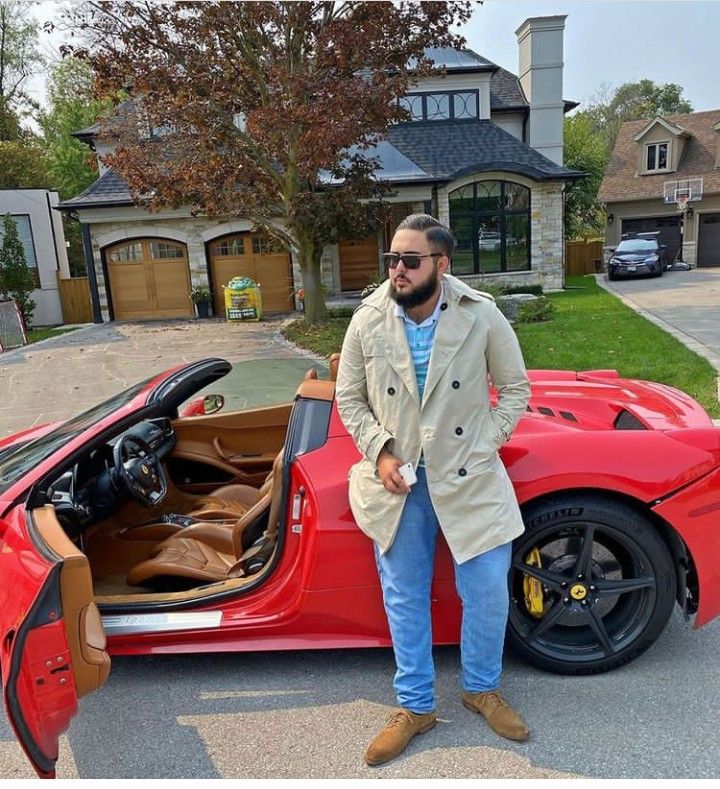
(410, 260)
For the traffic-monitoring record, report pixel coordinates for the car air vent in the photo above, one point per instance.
(567, 415)
(543, 409)
(627, 421)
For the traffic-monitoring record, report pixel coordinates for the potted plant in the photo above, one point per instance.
(200, 296)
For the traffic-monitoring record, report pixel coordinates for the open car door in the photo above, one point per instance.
(53, 643)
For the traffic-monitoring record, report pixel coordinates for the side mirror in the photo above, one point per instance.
(213, 403)
(202, 406)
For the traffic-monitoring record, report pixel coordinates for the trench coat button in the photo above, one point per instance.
(456, 384)
(443, 306)
(391, 390)
(458, 431)
(462, 472)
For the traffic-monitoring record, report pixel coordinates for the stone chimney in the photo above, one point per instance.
(540, 49)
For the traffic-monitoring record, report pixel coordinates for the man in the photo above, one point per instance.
(412, 387)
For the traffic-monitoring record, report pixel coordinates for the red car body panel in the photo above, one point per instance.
(323, 591)
(39, 689)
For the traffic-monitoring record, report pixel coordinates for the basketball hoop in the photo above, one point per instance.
(682, 198)
(681, 202)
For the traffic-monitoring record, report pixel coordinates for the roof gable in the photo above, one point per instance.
(622, 183)
(658, 120)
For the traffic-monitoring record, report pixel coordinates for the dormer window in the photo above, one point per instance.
(450, 105)
(656, 156)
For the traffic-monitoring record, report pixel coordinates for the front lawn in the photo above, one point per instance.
(45, 332)
(590, 329)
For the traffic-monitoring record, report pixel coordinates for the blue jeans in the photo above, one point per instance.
(405, 576)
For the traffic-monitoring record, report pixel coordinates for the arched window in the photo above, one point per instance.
(491, 222)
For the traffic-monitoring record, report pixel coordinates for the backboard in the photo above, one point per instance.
(684, 189)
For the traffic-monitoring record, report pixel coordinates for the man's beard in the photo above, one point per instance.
(421, 293)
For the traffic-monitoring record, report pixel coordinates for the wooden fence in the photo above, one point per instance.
(584, 257)
(75, 299)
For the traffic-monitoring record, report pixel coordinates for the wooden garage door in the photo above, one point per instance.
(709, 241)
(358, 263)
(149, 278)
(257, 257)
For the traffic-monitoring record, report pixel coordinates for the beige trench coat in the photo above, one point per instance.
(378, 401)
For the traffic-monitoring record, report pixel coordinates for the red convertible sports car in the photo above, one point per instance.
(149, 525)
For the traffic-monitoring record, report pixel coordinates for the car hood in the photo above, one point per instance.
(602, 400)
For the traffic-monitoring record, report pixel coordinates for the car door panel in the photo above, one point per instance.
(53, 647)
(220, 449)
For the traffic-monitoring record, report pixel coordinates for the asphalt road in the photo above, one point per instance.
(310, 714)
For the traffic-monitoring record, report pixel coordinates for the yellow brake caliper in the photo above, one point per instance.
(534, 599)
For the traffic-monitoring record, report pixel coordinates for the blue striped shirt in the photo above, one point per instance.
(420, 339)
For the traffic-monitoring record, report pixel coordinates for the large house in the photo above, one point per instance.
(483, 151)
(654, 163)
(41, 233)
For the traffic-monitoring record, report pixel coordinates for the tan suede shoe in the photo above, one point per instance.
(501, 717)
(401, 727)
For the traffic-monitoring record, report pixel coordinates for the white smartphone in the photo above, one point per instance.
(407, 472)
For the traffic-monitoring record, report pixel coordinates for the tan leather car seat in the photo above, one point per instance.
(206, 553)
(230, 501)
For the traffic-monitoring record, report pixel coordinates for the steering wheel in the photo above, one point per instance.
(140, 470)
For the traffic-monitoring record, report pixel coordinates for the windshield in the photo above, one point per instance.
(29, 454)
(638, 246)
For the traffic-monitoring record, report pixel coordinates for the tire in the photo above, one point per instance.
(612, 276)
(588, 625)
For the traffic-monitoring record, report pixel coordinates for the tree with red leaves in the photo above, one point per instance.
(262, 109)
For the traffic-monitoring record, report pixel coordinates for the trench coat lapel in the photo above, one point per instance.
(452, 330)
(397, 352)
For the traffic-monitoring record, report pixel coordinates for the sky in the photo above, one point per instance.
(607, 42)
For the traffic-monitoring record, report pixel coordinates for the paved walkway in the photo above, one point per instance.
(65, 375)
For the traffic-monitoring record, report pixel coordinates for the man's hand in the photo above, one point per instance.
(387, 466)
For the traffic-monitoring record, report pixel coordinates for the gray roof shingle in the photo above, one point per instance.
(424, 152)
(109, 189)
(449, 149)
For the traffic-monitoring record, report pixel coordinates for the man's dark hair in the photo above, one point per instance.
(439, 236)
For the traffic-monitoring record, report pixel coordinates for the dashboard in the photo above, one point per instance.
(92, 489)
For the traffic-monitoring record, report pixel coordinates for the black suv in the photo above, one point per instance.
(638, 253)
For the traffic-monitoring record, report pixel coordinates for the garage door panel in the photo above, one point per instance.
(223, 270)
(270, 269)
(358, 263)
(709, 240)
(130, 289)
(172, 288)
(669, 227)
(155, 285)
(271, 272)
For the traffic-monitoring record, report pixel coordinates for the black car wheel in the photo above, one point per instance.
(612, 275)
(592, 585)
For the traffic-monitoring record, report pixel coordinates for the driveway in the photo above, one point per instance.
(684, 303)
(67, 374)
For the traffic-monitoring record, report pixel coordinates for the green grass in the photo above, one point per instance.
(35, 335)
(590, 330)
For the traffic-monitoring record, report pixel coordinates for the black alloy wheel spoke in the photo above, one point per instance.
(549, 578)
(598, 627)
(609, 588)
(583, 565)
(548, 620)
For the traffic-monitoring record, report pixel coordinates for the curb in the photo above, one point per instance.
(282, 340)
(686, 339)
(30, 347)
